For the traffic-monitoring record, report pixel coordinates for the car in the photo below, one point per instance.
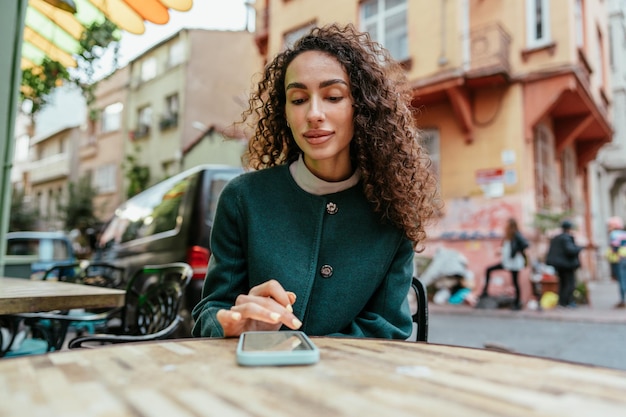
(168, 222)
(30, 253)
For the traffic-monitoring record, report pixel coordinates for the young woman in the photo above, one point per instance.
(320, 236)
(512, 259)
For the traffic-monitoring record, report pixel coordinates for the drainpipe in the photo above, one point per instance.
(465, 33)
(443, 59)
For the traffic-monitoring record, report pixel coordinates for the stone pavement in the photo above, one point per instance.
(603, 295)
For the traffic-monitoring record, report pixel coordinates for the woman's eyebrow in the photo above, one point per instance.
(322, 84)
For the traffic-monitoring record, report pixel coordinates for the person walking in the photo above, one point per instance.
(320, 234)
(616, 256)
(512, 259)
(563, 255)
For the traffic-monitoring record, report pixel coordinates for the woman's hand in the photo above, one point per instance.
(266, 307)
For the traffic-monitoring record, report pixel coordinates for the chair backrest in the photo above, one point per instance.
(101, 274)
(154, 297)
(418, 299)
(71, 272)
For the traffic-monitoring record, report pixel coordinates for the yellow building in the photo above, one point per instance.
(513, 98)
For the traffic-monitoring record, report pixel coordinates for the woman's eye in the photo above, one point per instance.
(297, 101)
(335, 98)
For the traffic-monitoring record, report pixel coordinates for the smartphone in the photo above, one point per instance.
(265, 348)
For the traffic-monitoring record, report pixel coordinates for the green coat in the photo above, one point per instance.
(351, 273)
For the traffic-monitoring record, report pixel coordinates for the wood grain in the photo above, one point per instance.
(19, 295)
(355, 377)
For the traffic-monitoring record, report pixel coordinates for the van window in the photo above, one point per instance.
(218, 183)
(153, 211)
(45, 249)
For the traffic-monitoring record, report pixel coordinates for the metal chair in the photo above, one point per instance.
(151, 310)
(101, 274)
(419, 311)
(17, 339)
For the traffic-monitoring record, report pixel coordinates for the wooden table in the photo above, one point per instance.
(355, 377)
(18, 295)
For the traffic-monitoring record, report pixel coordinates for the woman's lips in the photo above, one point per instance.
(315, 137)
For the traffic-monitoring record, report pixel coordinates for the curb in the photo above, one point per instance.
(581, 314)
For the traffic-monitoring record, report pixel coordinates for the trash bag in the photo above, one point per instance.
(549, 300)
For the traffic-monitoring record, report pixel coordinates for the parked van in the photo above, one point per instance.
(168, 222)
(30, 253)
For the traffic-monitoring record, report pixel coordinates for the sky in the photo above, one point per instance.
(205, 14)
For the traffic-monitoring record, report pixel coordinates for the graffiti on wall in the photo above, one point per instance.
(468, 218)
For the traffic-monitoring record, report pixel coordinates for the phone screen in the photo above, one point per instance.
(274, 341)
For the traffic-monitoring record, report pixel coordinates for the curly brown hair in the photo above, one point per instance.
(394, 166)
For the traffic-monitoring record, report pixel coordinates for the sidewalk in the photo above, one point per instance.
(603, 295)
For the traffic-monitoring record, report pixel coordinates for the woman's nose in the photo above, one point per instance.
(315, 112)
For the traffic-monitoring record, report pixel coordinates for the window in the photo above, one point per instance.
(176, 53)
(291, 37)
(568, 178)
(170, 114)
(148, 69)
(430, 140)
(154, 211)
(144, 121)
(538, 23)
(386, 22)
(579, 17)
(600, 56)
(171, 105)
(546, 187)
(112, 117)
(104, 179)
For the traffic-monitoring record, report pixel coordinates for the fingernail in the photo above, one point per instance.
(236, 316)
(289, 308)
(275, 316)
(296, 323)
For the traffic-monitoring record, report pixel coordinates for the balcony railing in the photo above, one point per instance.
(489, 48)
(50, 168)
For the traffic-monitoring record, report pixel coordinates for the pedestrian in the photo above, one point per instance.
(512, 258)
(616, 256)
(563, 255)
(320, 234)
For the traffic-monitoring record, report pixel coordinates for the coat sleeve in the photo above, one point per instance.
(570, 247)
(387, 314)
(226, 275)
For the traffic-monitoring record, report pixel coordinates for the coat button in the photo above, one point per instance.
(332, 208)
(326, 271)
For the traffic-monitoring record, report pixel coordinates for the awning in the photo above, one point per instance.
(52, 32)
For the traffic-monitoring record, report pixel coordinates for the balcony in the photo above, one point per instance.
(489, 47)
(88, 147)
(168, 121)
(50, 168)
(142, 131)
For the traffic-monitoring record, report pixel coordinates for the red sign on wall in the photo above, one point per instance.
(489, 175)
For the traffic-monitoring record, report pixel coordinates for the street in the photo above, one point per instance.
(585, 342)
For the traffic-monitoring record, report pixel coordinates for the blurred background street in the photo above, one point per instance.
(593, 334)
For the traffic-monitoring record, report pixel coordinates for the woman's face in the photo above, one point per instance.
(320, 114)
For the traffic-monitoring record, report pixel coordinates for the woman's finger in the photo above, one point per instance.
(273, 289)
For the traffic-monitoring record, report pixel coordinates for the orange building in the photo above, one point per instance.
(513, 98)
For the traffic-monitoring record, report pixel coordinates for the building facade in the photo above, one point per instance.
(101, 149)
(54, 164)
(171, 108)
(608, 173)
(514, 99)
(180, 88)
